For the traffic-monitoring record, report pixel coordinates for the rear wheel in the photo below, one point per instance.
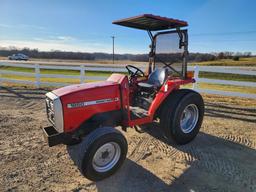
(101, 153)
(182, 116)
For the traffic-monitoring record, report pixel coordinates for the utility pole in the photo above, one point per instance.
(113, 39)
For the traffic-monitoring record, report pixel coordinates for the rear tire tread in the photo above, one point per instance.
(169, 115)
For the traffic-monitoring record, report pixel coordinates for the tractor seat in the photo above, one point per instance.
(155, 80)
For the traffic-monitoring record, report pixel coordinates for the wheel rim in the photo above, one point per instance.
(106, 157)
(189, 118)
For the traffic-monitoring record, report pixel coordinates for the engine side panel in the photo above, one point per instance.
(82, 105)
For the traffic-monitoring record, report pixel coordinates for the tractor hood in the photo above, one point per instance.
(81, 87)
(80, 102)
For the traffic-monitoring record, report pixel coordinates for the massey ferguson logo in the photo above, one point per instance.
(75, 105)
(88, 103)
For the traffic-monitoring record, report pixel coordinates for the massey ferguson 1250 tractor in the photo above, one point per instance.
(85, 115)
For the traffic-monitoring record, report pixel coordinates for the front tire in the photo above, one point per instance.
(101, 153)
(182, 116)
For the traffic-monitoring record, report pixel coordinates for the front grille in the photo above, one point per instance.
(50, 110)
(54, 111)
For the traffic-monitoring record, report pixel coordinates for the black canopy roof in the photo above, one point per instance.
(151, 22)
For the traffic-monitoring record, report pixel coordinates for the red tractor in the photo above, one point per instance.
(85, 115)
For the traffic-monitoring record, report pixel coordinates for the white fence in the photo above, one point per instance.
(83, 77)
(38, 75)
(224, 70)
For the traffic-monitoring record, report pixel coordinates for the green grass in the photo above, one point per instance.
(227, 76)
(52, 71)
(56, 71)
(210, 75)
(240, 89)
(246, 62)
(220, 87)
(42, 79)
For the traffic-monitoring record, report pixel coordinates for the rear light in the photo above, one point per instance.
(190, 74)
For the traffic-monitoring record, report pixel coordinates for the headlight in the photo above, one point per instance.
(54, 111)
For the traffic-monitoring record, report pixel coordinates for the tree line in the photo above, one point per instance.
(193, 57)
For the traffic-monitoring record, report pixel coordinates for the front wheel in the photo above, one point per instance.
(182, 116)
(101, 153)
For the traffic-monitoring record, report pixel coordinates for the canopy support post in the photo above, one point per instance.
(150, 35)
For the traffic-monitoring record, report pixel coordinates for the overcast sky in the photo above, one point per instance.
(214, 25)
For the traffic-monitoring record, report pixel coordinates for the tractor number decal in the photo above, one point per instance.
(88, 103)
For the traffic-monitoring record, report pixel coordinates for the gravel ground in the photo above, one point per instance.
(221, 158)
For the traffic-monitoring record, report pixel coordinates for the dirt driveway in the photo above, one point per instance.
(221, 158)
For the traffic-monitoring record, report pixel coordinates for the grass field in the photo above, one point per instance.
(227, 62)
(77, 61)
(246, 62)
(219, 87)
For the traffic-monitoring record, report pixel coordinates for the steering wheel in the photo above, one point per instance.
(134, 71)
